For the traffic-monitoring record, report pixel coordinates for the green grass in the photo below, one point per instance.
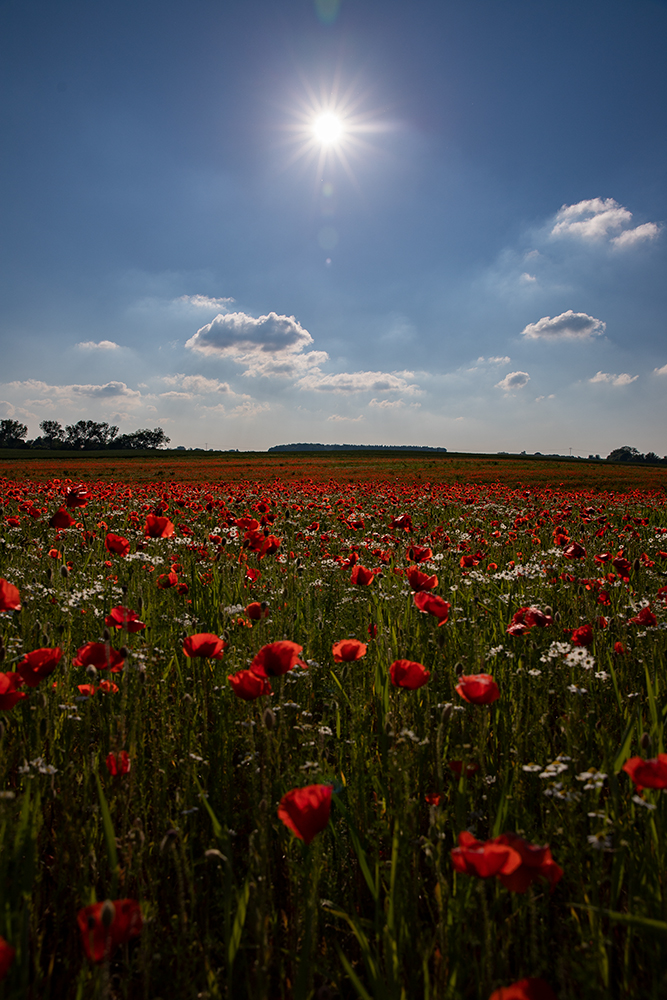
(234, 905)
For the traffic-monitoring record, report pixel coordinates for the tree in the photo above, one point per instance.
(90, 434)
(144, 438)
(53, 433)
(12, 433)
(625, 454)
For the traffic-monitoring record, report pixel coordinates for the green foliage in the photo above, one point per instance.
(234, 906)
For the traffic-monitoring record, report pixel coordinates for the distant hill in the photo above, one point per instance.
(355, 447)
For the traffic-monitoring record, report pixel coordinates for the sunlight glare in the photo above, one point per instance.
(328, 128)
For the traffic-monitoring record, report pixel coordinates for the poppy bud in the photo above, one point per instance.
(447, 713)
(645, 741)
(91, 671)
(557, 616)
(124, 652)
(269, 719)
(188, 697)
(108, 913)
(2, 730)
(635, 566)
(64, 572)
(548, 610)
(458, 669)
(106, 635)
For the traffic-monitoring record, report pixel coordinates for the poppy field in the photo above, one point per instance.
(332, 737)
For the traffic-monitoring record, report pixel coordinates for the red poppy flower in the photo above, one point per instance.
(9, 695)
(77, 496)
(276, 659)
(525, 989)
(205, 644)
(305, 811)
(108, 687)
(433, 798)
(117, 545)
(479, 689)
(248, 685)
(408, 674)
(419, 553)
(526, 618)
(6, 957)
(536, 862)
(100, 655)
(87, 690)
(582, 636)
(118, 763)
(101, 934)
(61, 519)
(10, 599)
(645, 618)
(362, 576)
(257, 610)
(372, 630)
(37, 665)
(472, 857)
(574, 551)
(432, 605)
(619, 649)
(420, 581)
(622, 567)
(158, 527)
(348, 650)
(126, 618)
(456, 767)
(647, 773)
(402, 521)
(167, 580)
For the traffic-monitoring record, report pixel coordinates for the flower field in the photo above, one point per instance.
(331, 737)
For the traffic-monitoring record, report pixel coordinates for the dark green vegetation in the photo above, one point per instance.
(233, 904)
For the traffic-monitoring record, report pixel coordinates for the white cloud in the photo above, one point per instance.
(628, 238)
(102, 345)
(204, 302)
(598, 219)
(527, 278)
(105, 391)
(387, 404)
(269, 345)
(513, 381)
(238, 333)
(196, 383)
(568, 326)
(175, 395)
(622, 379)
(249, 408)
(661, 371)
(504, 360)
(336, 418)
(357, 382)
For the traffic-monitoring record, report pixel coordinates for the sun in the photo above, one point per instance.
(328, 128)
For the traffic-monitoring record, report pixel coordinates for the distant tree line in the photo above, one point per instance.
(628, 454)
(354, 447)
(84, 435)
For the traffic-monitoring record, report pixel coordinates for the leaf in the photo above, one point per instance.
(109, 836)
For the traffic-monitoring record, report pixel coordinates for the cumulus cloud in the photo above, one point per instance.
(269, 345)
(661, 371)
(513, 381)
(568, 326)
(622, 379)
(601, 219)
(102, 345)
(527, 278)
(196, 383)
(106, 391)
(336, 418)
(347, 382)
(175, 395)
(238, 333)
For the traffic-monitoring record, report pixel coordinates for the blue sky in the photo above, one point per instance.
(478, 263)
